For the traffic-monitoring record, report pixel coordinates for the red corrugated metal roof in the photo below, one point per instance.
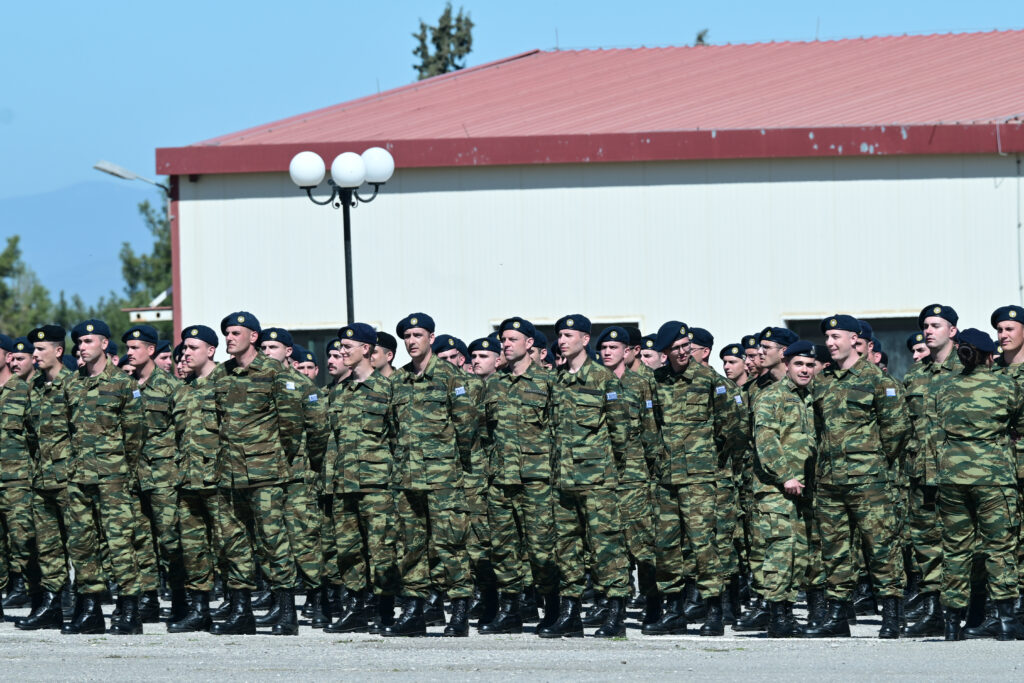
(955, 93)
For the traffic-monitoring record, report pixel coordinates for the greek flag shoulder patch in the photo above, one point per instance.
(650, 404)
(719, 390)
(611, 396)
(136, 393)
(460, 391)
(739, 400)
(289, 386)
(889, 391)
(313, 398)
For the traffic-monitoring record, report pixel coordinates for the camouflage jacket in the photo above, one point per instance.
(158, 466)
(784, 433)
(48, 418)
(316, 428)
(260, 423)
(107, 425)
(921, 385)
(327, 473)
(435, 426)
(591, 428)
(743, 470)
(360, 414)
(15, 457)
(644, 449)
(195, 429)
(861, 423)
(977, 413)
(1016, 373)
(701, 424)
(519, 413)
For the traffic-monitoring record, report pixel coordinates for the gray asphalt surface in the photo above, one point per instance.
(315, 655)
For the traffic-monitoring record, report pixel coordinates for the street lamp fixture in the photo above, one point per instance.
(349, 171)
(121, 172)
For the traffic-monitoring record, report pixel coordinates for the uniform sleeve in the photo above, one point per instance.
(133, 425)
(317, 426)
(290, 416)
(768, 425)
(617, 419)
(466, 418)
(730, 435)
(893, 419)
(1017, 429)
(650, 435)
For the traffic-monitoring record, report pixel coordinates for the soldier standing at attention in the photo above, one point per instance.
(435, 434)
(107, 424)
(862, 426)
(259, 420)
(20, 359)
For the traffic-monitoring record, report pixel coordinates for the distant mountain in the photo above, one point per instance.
(71, 237)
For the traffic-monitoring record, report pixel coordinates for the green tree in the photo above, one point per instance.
(145, 275)
(24, 302)
(702, 37)
(452, 40)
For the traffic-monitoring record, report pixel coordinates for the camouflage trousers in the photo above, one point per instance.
(686, 538)
(868, 509)
(638, 520)
(785, 524)
(364, 538)
(925, 530)
(522, 517)
(49, 507)
(197, 521)
(978, 520)
(17, 532)
(262, 509)
(434, 523)
(158, 528)
(331, 571)
(590, 518)
(112, 506)
(727, 520)
(302, 519)
(754, 542)
(478, 542)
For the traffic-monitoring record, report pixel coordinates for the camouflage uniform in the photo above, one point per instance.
(754, 540)
(364, 509)
(590, 442)
(1016, 372)
(702, 427)
(48, 419)
(17, 532)
(784, 433)
(107, 425)
(325, 497)
(474, 484)
(519, 415)
(727, 491)
(977, 477)
(862, 427)
(434, 443)
(259, 420)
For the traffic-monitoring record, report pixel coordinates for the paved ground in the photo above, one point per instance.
(320, 656)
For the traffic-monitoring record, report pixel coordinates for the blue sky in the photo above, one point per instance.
(115, 80)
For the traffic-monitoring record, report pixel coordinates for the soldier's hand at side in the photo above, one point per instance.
(793, 487)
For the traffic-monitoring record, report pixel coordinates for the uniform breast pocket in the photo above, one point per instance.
(588, 410)
(258, 397)
(374, 418)
(859, 403)
(13, 420)
(434, 409)
(107, 408)
(915, 404)
(158, 414)
(695, 408)
(533, 408)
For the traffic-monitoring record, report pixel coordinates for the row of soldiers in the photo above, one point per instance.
(540, 472)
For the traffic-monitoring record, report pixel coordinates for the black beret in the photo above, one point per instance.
(701, 337)
(549, 357)
(111, 347)
(914, 339)
(414, 320)
(884, 360)
(91, 326)
(444, 342)
(301, 355)
(945, 312)
(69, 361)
(460, 346)
(575, 321)
(840, 321)
(634, 335)
(733, 350)
(23, 345)
(1008, 314)
(202, 333)
(669, 333)
(800, 347)
(50, 333)
(163, 346)
(360, 332)
(387, 341)
(277, 334)
(124, 360)
(178, 353)
(592, 352)
(821, 354)
(780, 335)
(866, 331)
(977, 339)
(519, 325)
(749, 342)
(6, 343)
(649, 341)
(877, 345)
(242, 318)
(540, 339)
(333, 345)
(484, 344)
(613, 333)
(143, 333)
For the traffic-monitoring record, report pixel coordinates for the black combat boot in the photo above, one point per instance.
(130, 623)
(778, 623)
(181, 605)
(815, 596)
(149, 608)
(835, 625)
(68, 601)
(322, 609)
(1018, 606)
(732, 607)
(488, 605)
(47, 614)
(794, 625)
(695, 606)
(198, 617)
(311, 603)
(890, 618)
(614, 625)
(385, 611)
(458, 625)
(410, 622)
(88, 618)
(353, 619)
(672, 622)
(931, 621)
(864, 601)
(551, 609)
(529, 602)
(916, 607)
(433, 611)
(264, 599)
(713, 625)
(17, 593)
(652, 608)
(288, 622)
(273, 615)
(569, 624)
(954, 623)
(476, 605)
(1009, 627)
(241, 621)
(989, 628)
(224, 609)
(755, 619)
(597, 613)
(508, 619)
